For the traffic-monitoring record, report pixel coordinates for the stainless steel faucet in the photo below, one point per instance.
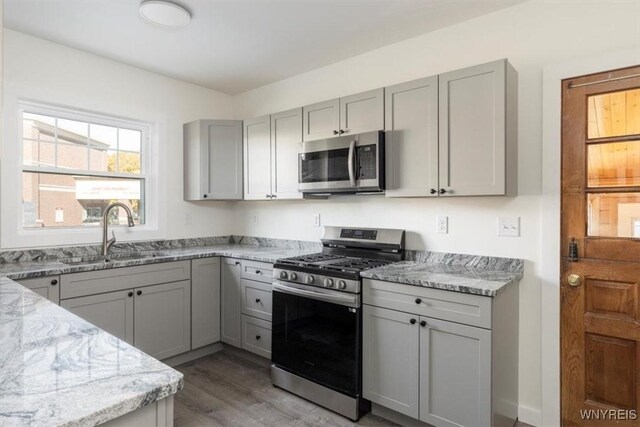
(106, 244)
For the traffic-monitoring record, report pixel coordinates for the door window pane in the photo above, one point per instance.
(613, 214)
(614, 164)
(58, 200)
(614, 114)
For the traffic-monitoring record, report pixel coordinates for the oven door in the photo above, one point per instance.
(316, 335)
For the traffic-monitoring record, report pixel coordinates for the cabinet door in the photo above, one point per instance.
(231, 272)
(390, 359)
(47, 287)
(473, 130)
(321, 120)
(455, 374)
(286, 141)
(411, 141)
(205, 302)
(257, 158)
(162, 325)
(112, 312)
(222, 153)
(362, 112)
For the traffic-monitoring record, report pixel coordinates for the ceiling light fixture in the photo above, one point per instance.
(165, 13)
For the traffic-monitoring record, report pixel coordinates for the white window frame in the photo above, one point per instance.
(14, 234)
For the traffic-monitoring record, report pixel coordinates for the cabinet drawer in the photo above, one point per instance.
(256, 299)
(256, 336)
(116, 279)
(259, 271)
(457, 307)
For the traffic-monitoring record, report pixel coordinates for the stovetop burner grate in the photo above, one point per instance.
(331, 262)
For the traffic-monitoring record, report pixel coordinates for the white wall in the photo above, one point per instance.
(530, 35)
(38, 70)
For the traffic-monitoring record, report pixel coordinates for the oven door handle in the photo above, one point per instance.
(348, 300)
(351, 163)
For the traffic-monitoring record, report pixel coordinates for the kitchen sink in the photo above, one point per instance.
(111, 258)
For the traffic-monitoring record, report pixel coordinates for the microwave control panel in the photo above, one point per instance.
(367, 161)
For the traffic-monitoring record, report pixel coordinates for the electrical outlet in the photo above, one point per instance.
(509, 226)
(442, 224)
(188, 220)
(316, 220)
(254, 219)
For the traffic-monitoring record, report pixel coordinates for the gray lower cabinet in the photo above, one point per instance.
(205, 302)
(112, 312)
(256, 336)
(422, 361)
(162, 326)
(231, 301)
(213, 160)
(256, 299)
(47, 287)
(390, 359)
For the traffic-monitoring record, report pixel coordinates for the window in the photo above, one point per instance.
(74, 166)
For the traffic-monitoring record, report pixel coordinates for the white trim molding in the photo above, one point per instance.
(550, 221)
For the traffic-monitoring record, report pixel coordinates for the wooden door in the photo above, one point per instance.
(455, 374)
(162, 326)
(390, 364)
(205, 302)
(230, 282)
(257, 158)
(476, 129)
(111, 312)
(411, 145)
(362, 112)
(286, 141)
(600, 307)
(321, 120)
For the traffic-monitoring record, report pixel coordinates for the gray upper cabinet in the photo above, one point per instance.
(231, 295)
(205, 302)
(286, 140)
(321, 120)
(477, 130)
(111, 311)
(362, 112)
(47, 287)
(411, 143)
(390, 359)
(162, 326)
(257, 158)
(455, 374)
(213, 160)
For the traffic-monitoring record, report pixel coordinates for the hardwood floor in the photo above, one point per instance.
(233, 388)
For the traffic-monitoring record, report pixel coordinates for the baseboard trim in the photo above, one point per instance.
(193, 355)
(529, 415)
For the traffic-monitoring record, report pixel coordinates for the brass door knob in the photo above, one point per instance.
(574, 279)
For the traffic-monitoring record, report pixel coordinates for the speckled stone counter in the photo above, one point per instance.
(59, 370)
(470, 274)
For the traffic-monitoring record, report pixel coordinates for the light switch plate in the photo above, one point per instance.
(255, 219)
(442, 224)
(509, 226)
(188, 220)
(316, 220)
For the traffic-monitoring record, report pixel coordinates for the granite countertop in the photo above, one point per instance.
(30, 269)
(449, 277)
(59, 370)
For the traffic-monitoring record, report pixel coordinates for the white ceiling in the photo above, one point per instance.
(236, 45)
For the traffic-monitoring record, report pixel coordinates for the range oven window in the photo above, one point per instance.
(324, 166)
(317, 340)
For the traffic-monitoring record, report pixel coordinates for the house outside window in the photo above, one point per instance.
(74, 166)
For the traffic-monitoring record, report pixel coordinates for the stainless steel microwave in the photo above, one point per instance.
(345, 164)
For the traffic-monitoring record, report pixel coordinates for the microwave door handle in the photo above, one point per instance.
(351, 163)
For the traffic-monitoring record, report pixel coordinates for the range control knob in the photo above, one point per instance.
(283, 275)
(293, 276)
(342, 284)
(328, 283)
(309, 279)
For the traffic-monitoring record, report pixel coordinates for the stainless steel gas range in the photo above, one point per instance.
(317, 318)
